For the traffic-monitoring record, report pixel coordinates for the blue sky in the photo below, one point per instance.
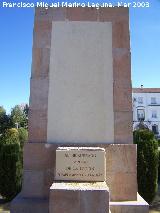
(16, 49)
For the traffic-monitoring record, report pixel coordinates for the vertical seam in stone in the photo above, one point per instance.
(113, 88)
(114, 92)
(48, 82)
(65, 14)
(98, 15)
(79, 198)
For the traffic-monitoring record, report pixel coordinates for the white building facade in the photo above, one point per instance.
(146, 108)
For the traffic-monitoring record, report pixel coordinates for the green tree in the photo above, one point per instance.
(147, 163)
(4, 120)
(18, 117)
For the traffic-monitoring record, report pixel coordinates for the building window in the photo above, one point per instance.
(154, 114)
(140, 114)
(140, 100)
(155, 129)
(153, 100)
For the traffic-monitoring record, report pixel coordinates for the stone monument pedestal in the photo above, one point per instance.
(39, 174)
(73, 197)
(80, 97)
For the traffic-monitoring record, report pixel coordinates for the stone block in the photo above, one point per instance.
(22, 204)
(41, 13)
(42, 26)
(80, 164)
(123, 127)
(121, 171)
(82, 14)
(36, 183)
(59, 14)
(122, 65)
(39, 156)
(66, 201)
(137, 206)
(42, 34)
(123, 83)
(36, 62)
(95, 201)
(122, 98)
(40, 62)
(79, 198)
(123, 186)
(33, 184)
(112, 14)
(37, 125)
(39, 93)
(121, 158)
(121, 38)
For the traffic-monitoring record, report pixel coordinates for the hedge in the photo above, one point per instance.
(10, 164)
(159, 169)
(23, 136)
(147, 163)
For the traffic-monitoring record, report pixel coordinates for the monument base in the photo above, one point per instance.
(41, 205)
(39, 174)
(121, 175)
(139, 206)
(73, 197)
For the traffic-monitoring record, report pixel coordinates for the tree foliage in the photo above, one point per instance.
(23, 136)
(19, 117)
(10, 136)
(4, 120)
(147, 163)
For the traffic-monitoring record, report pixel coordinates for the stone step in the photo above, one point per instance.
(139, 206)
